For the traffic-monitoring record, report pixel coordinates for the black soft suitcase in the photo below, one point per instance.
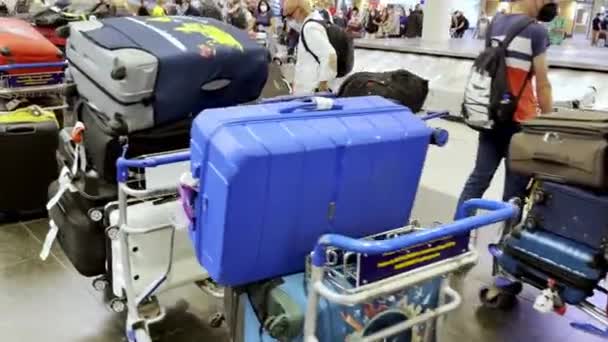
(104, 140)
(79, 214)
(28, 140)
(79, 217)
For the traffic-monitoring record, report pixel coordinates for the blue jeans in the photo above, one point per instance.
(493, 148)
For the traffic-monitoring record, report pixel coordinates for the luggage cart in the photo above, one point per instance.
(129, 239)
(40, 83)
(398, 245)
(502, 294)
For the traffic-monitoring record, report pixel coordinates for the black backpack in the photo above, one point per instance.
(400, 85)
(3, 10)
(342, 43)
(488, 100)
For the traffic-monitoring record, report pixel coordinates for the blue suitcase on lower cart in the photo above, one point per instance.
(571, 212)
(273, 178)
(335, 322)
(539, 256)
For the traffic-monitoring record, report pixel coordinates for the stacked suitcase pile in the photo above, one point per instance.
(31, 80)
(139, 83)
(562, 245)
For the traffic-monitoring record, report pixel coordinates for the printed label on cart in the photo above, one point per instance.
(34, 80)
(377, 267)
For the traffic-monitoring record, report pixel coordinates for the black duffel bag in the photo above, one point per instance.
(400, 85)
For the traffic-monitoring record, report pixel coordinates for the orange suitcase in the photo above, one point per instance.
(27, 59)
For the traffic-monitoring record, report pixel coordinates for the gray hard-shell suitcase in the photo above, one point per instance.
(569, 146)
(149, 72)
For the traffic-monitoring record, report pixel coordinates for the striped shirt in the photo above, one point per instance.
(530, 43)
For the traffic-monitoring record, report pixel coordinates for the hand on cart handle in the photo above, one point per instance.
(498, 212)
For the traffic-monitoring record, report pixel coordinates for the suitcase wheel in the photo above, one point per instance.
(112, 232)
(530, 223)
(216, 320)
(496, 298)
(539, 197)
(100, 284)
(118, 305)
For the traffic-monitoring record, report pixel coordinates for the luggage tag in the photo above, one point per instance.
(65, 183)
(48, 241)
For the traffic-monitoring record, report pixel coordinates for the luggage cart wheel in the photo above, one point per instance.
(112, 232)
(496, 298)
(118, 305)
(100, 283)
(95, 215)
(216, 320)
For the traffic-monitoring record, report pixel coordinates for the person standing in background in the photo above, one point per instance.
(142, 11)
(596, 28)
(371, 28)
(263, 15)
(557, 30)
(414, 23)
(311, 74)
(527, 74)
(158, 10)
(355, 26)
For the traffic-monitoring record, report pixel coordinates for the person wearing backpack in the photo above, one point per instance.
(324, 52)
(508, 85)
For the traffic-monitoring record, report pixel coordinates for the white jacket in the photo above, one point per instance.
(308, 73)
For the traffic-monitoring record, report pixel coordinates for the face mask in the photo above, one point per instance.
(547, 13)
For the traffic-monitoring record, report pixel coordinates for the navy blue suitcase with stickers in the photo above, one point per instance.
(571, 212)
(144, 72)
(538, 257)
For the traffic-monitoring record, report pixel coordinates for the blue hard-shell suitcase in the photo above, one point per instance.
(274, 177)
(571, 212)
(341, 323)
(537, 256)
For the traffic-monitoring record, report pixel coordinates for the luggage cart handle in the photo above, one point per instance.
(10, 67)
(498, 211)
(123, 164)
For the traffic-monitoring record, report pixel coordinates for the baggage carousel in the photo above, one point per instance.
(574, 67)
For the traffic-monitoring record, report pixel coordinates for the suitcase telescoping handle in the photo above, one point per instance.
(288, 98)
(313, 104)
(11, 67)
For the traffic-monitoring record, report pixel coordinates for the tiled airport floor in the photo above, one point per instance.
(49, 301)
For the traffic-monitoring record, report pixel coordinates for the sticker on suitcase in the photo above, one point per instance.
(214, 36)
(366, 319)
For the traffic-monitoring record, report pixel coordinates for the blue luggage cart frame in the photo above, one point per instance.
(137, 327)
(33, 84)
